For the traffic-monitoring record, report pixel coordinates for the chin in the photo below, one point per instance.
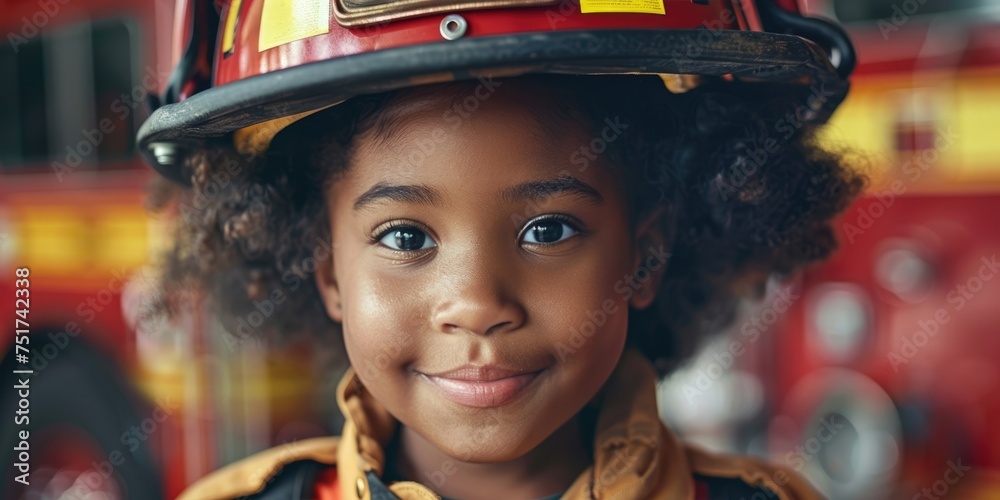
(485, 446)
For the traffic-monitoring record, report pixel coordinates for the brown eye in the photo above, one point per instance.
(547, 231)
(406, 238)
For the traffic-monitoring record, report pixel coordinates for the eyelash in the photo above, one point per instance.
(380, 231)
(570, 221)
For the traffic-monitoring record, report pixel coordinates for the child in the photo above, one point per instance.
(510, 279)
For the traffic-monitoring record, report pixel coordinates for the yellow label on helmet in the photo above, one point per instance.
(635, 6)
(283, 21)
(229, 30)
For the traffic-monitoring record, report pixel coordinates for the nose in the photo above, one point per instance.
(480, 303)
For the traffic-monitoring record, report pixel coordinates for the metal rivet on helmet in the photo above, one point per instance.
(453, 26)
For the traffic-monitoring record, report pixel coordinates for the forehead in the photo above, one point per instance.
(474, 128)
(449, 106)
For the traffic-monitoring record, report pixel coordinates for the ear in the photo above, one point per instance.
(329, 290)
(650, 256)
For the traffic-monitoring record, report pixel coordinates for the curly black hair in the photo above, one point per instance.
(750, 195)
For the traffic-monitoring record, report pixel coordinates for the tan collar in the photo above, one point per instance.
(635, 455)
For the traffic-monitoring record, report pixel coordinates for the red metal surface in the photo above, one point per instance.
(789, 5)
(247, 61)
(943, 383)
(903, 52)
(50, 15)
(64, 456)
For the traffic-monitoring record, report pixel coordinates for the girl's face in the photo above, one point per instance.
(482, 276)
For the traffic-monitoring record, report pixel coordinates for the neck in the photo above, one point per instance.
(548, 469)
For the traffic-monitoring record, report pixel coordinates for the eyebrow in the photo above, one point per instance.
(562, 185)
(424, 195)
(403, 193)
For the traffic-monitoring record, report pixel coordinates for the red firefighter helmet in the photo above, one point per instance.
(252, 67)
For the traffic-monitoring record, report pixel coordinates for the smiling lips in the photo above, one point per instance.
(481, 386)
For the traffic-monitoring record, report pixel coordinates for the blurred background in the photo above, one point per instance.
(874, 374)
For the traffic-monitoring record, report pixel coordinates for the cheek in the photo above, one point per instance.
(584, 310)
(382, 320)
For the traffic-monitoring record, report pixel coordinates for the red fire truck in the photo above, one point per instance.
(896, 336)
(75, 75)
(114, 412)
(875, 372)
